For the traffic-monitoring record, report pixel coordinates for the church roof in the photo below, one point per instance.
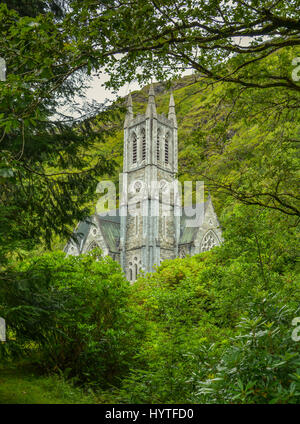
(110, 228)
(188, 234)
(81, 232)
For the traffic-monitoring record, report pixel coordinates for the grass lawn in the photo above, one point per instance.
(22, 385)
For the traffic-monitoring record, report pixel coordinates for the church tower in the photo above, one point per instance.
(150, 225)
(149, 215)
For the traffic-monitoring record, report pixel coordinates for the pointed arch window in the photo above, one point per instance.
(143, 133)
(134, 268)
(209, 241)
(134, 148)
(158, 145)
(167, 148)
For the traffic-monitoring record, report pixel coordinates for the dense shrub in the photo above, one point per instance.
(73, 312)
(262, 364)
(219, 323)
(212, 328)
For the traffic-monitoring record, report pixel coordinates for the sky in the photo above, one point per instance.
(98, 92)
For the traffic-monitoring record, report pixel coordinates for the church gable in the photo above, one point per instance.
(86, 237)
(202, 237)
(95, 239)
(77, 241)
(109, 227)
(209, 234)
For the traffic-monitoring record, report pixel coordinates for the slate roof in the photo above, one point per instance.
(81, 232)
(188, 234)
(110, 228)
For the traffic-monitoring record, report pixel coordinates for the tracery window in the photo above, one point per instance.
(134, 268)
(209, 241)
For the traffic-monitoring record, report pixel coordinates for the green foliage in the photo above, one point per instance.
(49, 166)
(197, 34)
(221, 318)
(246, 146)
(212, 328)
(262, 365)
(21, 384)
(34, 7)
(48, 172)
(73, 312)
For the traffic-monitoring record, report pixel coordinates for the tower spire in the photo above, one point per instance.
(151, 107)
(129, 113)
(172, 113)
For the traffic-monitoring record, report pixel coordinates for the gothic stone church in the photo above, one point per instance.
(143, 241)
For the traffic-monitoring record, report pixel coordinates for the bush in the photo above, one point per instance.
(212, 337)
(73, 312)
(212, 328)
(262, 365)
